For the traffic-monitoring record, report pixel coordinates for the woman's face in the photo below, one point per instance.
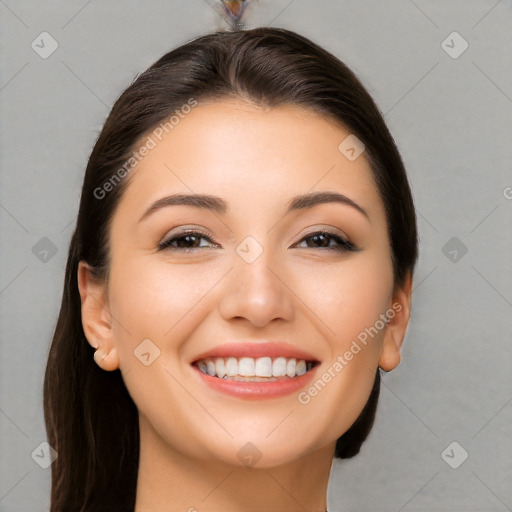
(253, 283)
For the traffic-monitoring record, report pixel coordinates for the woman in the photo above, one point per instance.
(239, 275)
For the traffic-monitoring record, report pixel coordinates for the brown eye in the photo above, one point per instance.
(187, 240)
(324, 240)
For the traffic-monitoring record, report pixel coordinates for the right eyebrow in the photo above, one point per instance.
(205, 201)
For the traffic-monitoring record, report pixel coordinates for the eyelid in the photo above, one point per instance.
(327, 228)
(185, 230)
(343, 242)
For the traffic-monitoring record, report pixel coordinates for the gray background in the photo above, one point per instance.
(451, 118)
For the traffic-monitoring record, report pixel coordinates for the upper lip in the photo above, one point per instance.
(255, 350)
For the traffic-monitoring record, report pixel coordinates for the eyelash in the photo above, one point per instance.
(344, 245)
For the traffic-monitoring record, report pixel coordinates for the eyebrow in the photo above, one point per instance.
(314, 198)
(207, 202)
(218, 205)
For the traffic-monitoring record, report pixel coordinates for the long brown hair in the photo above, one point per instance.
(90, 418)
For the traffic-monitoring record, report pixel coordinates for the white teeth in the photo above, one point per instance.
(279, 367)
(246, 367)
(260, 369)
(232, 367)
(210, 367)
(264, 367)
(220, 367)
(290, 368)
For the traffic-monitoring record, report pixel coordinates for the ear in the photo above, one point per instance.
(398, 315)
(96, 318)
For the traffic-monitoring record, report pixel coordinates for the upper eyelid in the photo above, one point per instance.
(333, 230)
(343, 240)
(323, 228)
(185, 232)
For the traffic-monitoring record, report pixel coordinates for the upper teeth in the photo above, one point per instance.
(250, 367)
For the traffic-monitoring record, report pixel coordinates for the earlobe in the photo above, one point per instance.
(108, 361)
(398, 320)
(96, 319)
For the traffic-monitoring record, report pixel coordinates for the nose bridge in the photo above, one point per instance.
(257, 273)
(254, 271)
(256, 291)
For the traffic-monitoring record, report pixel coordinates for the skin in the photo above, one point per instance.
(187, 302)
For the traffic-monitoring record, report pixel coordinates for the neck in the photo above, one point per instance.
(169, 480)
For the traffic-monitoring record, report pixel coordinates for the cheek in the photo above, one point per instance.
(348, 297)
(152, 299)
(349, 300)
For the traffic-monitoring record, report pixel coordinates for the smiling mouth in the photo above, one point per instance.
(248, 369)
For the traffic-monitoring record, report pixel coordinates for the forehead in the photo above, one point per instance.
(249, 154)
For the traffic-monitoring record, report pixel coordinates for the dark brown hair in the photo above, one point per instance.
(90, 418)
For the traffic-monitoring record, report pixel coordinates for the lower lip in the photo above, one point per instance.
(257, 390)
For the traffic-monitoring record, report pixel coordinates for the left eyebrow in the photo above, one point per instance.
(314, 198)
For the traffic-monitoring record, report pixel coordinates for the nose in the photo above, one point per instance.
(256, 292)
